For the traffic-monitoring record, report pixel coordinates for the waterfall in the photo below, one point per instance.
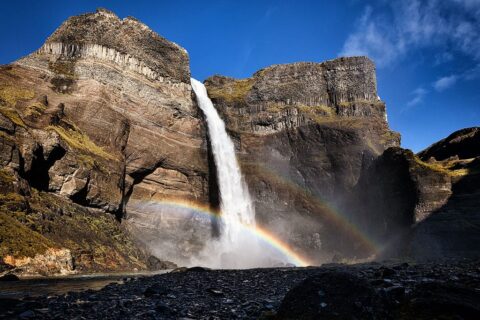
(234, 248)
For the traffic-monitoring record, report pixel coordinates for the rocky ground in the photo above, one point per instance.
(392, 290)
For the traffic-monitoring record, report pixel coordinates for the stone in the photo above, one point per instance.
(9, 277)
(153, 263)
(344, 293)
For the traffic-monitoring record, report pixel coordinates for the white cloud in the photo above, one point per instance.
(391, 29)
(418, 95)
(445, 82)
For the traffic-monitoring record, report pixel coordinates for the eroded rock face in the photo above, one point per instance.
(423, 206)
(102, 114)
(303, 132)
(463, 144)
(395, 192)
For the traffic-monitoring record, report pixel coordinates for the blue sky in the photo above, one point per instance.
(427, 52)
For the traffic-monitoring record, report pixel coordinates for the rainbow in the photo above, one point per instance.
(323, 208)
(259, 232)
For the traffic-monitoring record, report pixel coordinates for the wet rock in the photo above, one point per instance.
(156, 290)
(29, 314)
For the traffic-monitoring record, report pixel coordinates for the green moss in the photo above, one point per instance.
(34, 110)
(389, 136)
(276, 107)
(13, 115)
(64, 68)
(11, 95)
(79, 140)
(323, 109)
(234, 91)
(6, 177)
(6, 136)
(18, 240)
(435, 166)
(52, 221)
(10, 197)
(450, 167)
(346, 104)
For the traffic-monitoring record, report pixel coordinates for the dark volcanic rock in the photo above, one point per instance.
(332, 295)
(463, 143)
(446, 290)
(9, 277)
(303, 133)
(423, 209)
(434, 300)
(397, 191)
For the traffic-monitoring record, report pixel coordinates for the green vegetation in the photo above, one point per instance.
(346, 104)
(6, 177)
(13, 115)
(51, 221)
(79, 140)
(449, 167)
(35, 109)
(232, 92)
(276, 107)
(64, 68)
(12, 94)
(18, 240)
(388, 136)
(7, 137)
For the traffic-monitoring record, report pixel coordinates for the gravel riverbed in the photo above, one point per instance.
(395, 290)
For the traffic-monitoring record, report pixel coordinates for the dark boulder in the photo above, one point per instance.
(436, 300)
(153, 263)
(332, 295)
(9, 277)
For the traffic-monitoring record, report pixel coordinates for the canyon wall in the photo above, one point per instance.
(303, 133)
(105, 158)
(100, 120)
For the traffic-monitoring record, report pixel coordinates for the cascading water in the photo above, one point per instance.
(235, 247)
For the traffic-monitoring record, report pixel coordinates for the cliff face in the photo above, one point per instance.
(104, 152)
(423, 206)
(303, 132)
(452, 230)
(101, 116)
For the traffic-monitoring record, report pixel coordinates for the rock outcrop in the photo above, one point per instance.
(101, 115)
(303, 133)
(423, 206)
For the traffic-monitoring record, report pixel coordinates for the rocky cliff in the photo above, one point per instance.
(423, 206)
(105, 158)
(97, 122)
(303, 132)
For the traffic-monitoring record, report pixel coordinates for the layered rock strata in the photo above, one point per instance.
(303, 133)
(102, 115)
